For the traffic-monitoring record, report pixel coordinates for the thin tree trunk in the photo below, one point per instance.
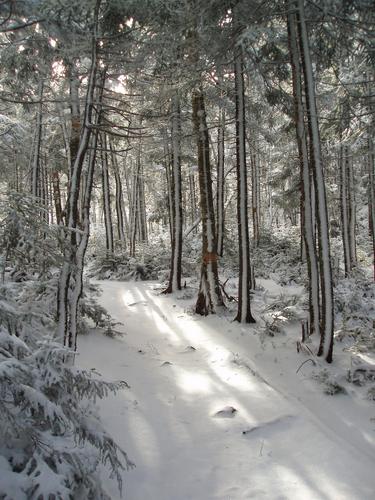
(344, 209)
(193, 199)
(75, 112)
(57, 196)
(352, 212)
(220, 183)
(255, 198)
(36, 164)
(143, 236)
(133, 209)
(106, 196)
(371, 193)
(120, 208)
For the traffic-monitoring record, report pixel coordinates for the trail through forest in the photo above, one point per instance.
(213, 413)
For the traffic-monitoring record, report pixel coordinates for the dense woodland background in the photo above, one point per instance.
(201, 144)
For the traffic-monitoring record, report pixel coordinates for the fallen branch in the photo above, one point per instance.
(229, 297)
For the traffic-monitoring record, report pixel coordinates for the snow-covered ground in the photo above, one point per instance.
(214, 413)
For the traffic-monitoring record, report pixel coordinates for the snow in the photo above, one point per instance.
(214, 413)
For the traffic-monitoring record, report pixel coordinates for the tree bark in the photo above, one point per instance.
(36, 163)
(244, 311)
(176, 199)
(68, 283)
(220, 183)
(327, 316)
(209, 295)
(120, 208)
(307, 203)
(106, 196)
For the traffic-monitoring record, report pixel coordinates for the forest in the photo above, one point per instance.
(187, 238)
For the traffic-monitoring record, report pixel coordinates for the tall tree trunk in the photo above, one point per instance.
(55, 178)
(244, 311)
(220, 182)
(75, 112)
(344, 208)
(327, 317)
(352, 213)
(348, 209)
(106, 196)
(307, 203)
(134, 209)
(176, 192)
(142, 223)
(371, 193)
(36, 162)
(255, 209)
(193, 198)
(209, 295)
(120, 208)
(67, 326)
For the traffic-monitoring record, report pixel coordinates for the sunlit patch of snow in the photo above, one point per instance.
(192, 382)
(142, 433)
(164, 328)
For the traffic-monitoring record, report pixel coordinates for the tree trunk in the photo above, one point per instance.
(120, 208)
(344, 209)
(244, 311)
(134, 209)
(67, 288)
(142, 223)
(307, 203)
(75, 112)
(176, 195)
(352, 213)
(36, 163)
(106, 196)
(220, 182)
(255, 197)
(193, 199)
(371, 193)
(327, 317)
(209, 295)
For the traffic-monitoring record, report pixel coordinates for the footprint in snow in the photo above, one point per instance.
(226, 412)
(166, 363)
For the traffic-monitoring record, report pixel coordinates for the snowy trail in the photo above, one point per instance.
(182, 371)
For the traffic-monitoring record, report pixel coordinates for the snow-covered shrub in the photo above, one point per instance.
(331, 386)
(282, 311)
(278, 257)
(371, 393)
(51, 441)
(355, 311)
(152, 260)
(28, 244)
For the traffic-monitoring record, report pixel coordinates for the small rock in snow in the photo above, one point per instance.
(189, 348)
(226, 412)
(166, 363)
